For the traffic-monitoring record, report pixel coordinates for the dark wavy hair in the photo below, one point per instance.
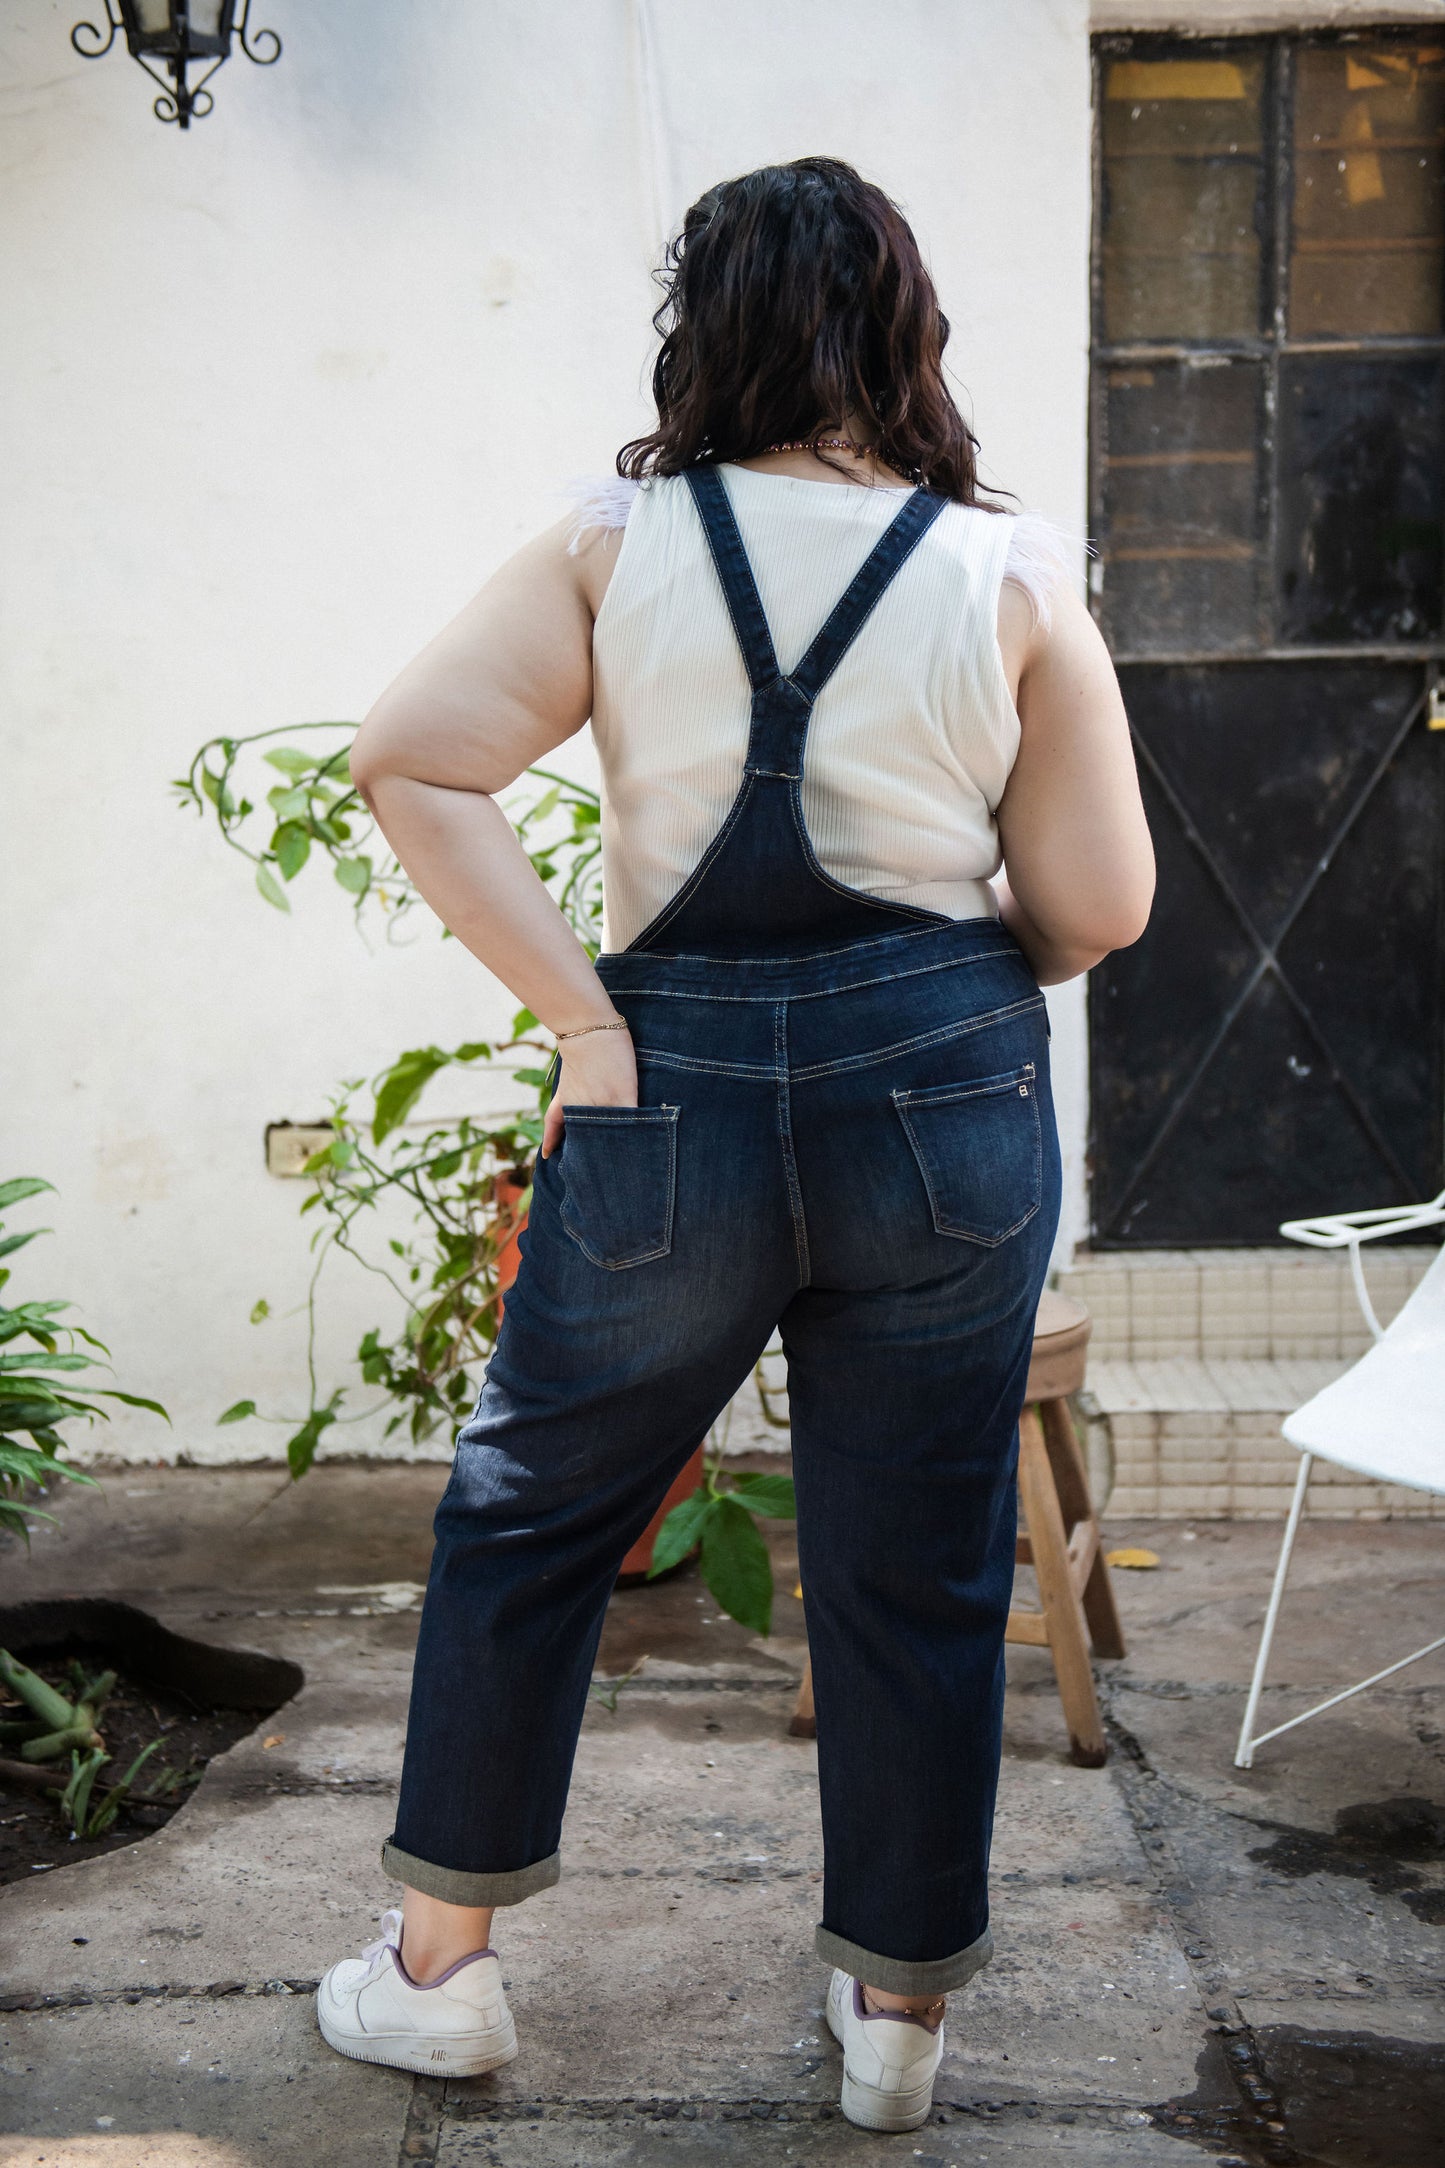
(797, 301)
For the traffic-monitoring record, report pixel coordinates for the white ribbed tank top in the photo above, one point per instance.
(912, 738)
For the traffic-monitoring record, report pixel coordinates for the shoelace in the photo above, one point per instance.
(389, 1938)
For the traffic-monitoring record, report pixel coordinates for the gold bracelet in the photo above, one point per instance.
(582, 1030)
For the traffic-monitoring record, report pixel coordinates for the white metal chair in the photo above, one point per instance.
(1385, 1418)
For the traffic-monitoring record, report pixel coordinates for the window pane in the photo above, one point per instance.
(1360, 497)
(1183, 207)
(1181, 527)
(1368, 239)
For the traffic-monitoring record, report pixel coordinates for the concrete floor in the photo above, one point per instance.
(1192, 1962)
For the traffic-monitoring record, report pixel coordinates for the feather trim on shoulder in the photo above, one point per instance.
(1041, 561)
(598, 500)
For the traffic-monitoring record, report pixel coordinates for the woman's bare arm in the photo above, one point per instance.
(1079, 865)
(503, 685)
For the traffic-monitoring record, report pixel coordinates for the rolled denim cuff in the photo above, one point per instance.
(905, 1975)
(455, 1887)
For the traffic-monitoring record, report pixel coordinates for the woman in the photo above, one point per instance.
(806, 1085)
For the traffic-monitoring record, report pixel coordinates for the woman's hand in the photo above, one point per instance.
(599, 1069)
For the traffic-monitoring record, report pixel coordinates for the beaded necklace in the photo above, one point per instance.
(813, 444)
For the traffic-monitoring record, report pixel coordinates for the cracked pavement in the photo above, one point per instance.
(1193, 1961)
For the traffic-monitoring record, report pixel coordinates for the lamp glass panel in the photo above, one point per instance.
(1183, 196)
(206, 17)
(154, 17)
(1367, 239)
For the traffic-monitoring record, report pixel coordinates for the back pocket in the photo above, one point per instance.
(619, 1178)
(980, 1151)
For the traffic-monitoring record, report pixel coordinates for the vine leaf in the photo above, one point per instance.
(301, 1446)
(736, 1566)
(398, 1091)
(679, 1532)
(292, 845)
(270, 888)
(770, 1494)
(354, 874)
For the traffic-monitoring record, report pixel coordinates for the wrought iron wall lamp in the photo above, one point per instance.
(181, 34)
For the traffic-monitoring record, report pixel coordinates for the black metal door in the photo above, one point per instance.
(1269, 422)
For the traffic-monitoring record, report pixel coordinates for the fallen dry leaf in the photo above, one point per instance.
(1142, 1560)
(275, 1738)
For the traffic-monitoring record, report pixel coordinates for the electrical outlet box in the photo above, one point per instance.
(290, 1144)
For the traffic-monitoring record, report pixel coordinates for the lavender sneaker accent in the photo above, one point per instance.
(424, 1986)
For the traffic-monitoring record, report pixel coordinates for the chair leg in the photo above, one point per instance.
(1106, 1635)
(1244, 1752)
(1064, 1620)
(803, 1724)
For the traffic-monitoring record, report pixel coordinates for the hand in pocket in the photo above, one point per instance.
(598, 1070)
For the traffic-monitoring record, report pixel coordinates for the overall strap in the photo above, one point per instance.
(744, 603)
(783, 706)
(892, 549)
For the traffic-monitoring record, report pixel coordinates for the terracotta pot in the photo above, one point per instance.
(509, 1255)
(639, 1558)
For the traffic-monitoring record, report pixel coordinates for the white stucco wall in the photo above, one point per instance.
(280, 392)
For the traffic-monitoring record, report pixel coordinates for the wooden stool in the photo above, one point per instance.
(1061, 1539)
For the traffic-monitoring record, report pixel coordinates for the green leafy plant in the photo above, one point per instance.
(316, 815)
(464, 1182)
(465, 1185)
(56, 1727)
(33, 1405)
(606, 1691)
(721, 1517)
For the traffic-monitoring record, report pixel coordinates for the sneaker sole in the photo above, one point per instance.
(871, 2109)
(408, 2051)
(868, 2108)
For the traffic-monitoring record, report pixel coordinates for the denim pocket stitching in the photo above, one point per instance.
(615, 1117)
(938, 1037)
(987, 1087)
(955, 1094)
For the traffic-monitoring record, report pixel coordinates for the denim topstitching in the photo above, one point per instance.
(785, 1137)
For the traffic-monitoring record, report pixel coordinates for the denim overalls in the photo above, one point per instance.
(844, 1129)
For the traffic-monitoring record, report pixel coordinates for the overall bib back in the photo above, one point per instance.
(843, 1132)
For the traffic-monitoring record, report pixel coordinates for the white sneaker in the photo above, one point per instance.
(369, 2007)
(889, 2060)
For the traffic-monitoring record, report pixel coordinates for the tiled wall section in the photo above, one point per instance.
(1243, 1304)
(1196, 1358)
(1234, 1467)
